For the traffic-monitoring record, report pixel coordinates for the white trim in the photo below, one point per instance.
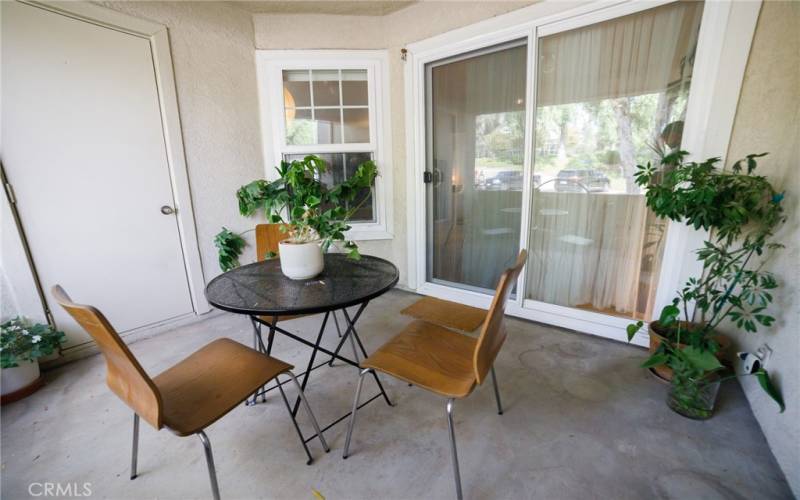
(170, 117)
(725, 36)
(726, 33)
(270, 64)
(601, 325)
(529, 157)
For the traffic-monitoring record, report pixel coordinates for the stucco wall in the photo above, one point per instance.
(768, 119)
(392, 32)
(212, 53)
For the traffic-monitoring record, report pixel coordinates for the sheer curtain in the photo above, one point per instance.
(607, 96)
(477, 111)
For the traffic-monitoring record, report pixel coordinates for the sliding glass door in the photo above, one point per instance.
(534, 143)
(474, 171)
(609, 96)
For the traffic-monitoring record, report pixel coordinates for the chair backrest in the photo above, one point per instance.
(493, 334)
(267, 238)
(124, 375)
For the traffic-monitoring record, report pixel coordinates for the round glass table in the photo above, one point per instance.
(261, 291)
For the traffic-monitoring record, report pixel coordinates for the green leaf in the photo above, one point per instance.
(701, 359)
(301, 200)
(633, 328)
(766, 384)
(669, 314)
(656, 359)
(229, 246)
(297, 214)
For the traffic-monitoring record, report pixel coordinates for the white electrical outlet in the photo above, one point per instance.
(752, 362)
(764, 353)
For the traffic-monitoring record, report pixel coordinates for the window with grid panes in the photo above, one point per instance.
(331, 104)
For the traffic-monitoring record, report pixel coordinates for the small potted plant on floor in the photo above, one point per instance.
(22, 343)
(742, 211)
(314, 215)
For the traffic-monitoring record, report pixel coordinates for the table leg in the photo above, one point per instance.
(268, 351)
(257, 346)
(336, 322)
(338, 348)
(271, 336)
(347, 332)
(311, 361)
(338, 332)
(352, 330)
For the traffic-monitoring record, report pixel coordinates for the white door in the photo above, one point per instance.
(83, 147)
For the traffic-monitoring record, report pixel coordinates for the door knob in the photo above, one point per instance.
(167, 210)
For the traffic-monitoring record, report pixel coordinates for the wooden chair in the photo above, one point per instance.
(443, 361)
(191, 395)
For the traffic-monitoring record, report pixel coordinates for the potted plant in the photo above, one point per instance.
(742, 211)
(314, 215)
(22, 343)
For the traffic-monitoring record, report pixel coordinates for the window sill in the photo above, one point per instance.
(368, 232)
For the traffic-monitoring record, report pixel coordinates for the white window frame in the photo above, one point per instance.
(726, 33)
(270, 65)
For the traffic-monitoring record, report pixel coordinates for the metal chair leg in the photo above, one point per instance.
(135, 447)
(450, 426)
(212, 471)
(353, 413)
(310, 413)
(497, 393)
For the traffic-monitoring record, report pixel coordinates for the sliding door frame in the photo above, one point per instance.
(521, 41)
(724, 41)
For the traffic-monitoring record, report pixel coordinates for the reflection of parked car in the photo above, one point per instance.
(508, 180)
(581, 181)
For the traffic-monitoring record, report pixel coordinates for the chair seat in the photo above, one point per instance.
(212, 381)
(430, 357)
(446, 313)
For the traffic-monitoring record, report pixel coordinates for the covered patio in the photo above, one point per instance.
(400, 249)
(580, 417)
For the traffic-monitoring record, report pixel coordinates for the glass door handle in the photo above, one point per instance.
(167, 210)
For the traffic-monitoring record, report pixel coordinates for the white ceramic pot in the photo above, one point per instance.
(14, 379)
(301, 261)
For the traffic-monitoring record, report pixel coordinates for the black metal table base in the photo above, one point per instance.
(350, 334)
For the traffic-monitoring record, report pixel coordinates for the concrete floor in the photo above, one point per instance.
(581, 421)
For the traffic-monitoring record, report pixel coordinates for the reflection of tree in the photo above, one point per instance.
(500, 136)
(300, 132)
(622, 112)
(613, 135)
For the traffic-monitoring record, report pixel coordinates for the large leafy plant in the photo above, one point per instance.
(21, 341)
(742, 211)
(308, 209)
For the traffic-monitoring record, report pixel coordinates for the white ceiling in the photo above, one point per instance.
(347, 8)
